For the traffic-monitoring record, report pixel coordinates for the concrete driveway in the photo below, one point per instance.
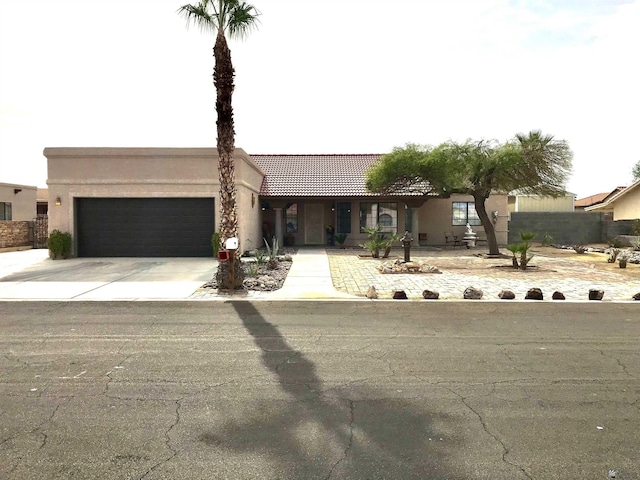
(31, 274)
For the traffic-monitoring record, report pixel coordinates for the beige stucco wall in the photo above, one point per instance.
(535, 203)
(248, 181)
(435, 218)
(627, 207)
(147, 172)
(23, 202)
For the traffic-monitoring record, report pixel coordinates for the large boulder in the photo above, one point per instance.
(558, 296)
(472, 293)
(430, 295)
(534, 294)
(595, 294)
(372, 293)
(399, 295)
(506, 295)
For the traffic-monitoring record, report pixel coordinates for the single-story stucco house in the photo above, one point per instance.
(17, 202)
(623, 203)
(164, 201)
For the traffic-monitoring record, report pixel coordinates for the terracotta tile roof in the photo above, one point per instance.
(595, 199)
(316, 175)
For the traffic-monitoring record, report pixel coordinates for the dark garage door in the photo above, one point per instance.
(145, 227)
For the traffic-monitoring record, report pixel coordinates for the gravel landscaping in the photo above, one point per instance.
(263, 277)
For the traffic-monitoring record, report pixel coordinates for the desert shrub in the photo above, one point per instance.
(59, 244)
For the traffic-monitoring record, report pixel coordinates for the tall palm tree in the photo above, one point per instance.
(235, 18)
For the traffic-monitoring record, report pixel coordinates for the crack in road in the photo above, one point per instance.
(505, 450)
(463, 399)
(167, 440)
(35, 430)
(350, 442)
(42, 424)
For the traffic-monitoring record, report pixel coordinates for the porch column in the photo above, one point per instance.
(278, 233)
(415, 230)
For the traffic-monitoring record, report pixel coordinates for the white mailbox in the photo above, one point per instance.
(231, 243)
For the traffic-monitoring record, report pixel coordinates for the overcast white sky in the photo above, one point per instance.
(324, 76)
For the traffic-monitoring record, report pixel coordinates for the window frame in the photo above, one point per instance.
(292, 218)
(6, 213)
(470, 214)
(377, 210)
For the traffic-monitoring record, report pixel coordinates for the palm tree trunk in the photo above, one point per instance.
(223, 79)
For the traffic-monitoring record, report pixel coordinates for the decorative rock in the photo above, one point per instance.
(534, 294)
(472, 293)
(506, 295)
(596, 294)
(558, 296)
(399, 295)
(398, 266)
(430, 295)
(636, 296)
(371, 293)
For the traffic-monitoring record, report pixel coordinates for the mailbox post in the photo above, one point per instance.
(406, 243)
(232, 245)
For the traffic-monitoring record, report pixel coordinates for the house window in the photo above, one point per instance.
(383, 214)
(344, 217)
(465, 212)
(5, 211)
(291, 215)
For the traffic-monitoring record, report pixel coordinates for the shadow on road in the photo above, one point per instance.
(342, 432)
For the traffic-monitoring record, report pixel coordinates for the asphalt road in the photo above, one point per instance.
(327, 390)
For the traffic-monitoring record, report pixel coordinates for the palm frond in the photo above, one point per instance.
(198, 15)
(243, 19)
(234, 17)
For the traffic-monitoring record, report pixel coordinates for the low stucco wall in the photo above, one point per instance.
(148, 172)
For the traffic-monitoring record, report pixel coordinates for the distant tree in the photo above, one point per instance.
(635, 171)
(235, 18)
(532, 163)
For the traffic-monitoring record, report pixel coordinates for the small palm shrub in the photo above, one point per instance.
(520, 251)
(340, 238)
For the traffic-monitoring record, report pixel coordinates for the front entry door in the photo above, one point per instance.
(314, 224)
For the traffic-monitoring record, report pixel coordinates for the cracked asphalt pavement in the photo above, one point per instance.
(319, 390)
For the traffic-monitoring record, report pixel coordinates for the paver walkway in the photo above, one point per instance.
(463, 268)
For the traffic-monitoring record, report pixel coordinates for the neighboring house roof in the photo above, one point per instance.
(595, 199)
(317, 175)
(615, 195)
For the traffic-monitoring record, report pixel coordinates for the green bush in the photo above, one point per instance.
(341, 238)
(216, 243)
(59, 244)
(374, 244)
